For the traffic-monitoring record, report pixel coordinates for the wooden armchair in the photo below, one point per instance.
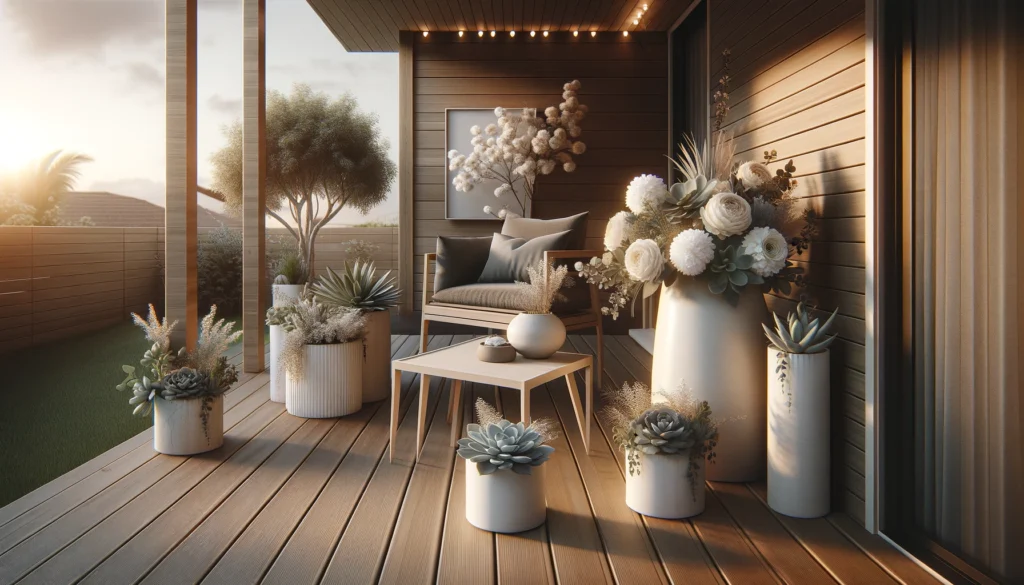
(478, 314)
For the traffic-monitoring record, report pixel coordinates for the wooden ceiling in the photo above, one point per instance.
(373, 25)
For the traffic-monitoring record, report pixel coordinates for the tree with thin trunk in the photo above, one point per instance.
(322, 155)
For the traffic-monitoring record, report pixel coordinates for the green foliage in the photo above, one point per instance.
(357, 288)
(33, 196)
(360, 250)
(730, 272)
(801, 334)
(290, 268)
(219, 270)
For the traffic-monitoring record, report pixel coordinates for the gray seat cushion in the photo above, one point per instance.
(510, 258)
(501, 295)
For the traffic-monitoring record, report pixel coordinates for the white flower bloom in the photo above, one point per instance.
(691, 251)
(488, 210)
(453, 153)
(579, 148)
(644, 261)
(569, 166)
(769, 249)
(646, 191)
(607, 258)
(726, 214)
(578, 266)
(491, 129)
(499, 112)
(615, 232)
(502, 213)
(753, 175)
(474, 130)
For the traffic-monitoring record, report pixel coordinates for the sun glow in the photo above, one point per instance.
(20, 143)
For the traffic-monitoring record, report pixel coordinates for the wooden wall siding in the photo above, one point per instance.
(624, 85)
(798, 87)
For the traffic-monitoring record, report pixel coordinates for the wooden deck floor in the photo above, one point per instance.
(289, 500)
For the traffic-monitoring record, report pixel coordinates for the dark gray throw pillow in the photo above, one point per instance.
(510, 257)
(460, 260)
(529, 228)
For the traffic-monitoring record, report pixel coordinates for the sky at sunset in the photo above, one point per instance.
(88, 76)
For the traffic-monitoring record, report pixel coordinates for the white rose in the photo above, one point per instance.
(616, 230)
(646, 191)
(768, 248)
(644, 261)
(726, 214)
(753, 175)
(691, 251)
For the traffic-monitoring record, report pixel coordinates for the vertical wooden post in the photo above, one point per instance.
(254, 183)
(180, 237)
(407, 278)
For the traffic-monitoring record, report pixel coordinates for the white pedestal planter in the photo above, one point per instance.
(505, 501)
(536, 337)
(798, 435)
(663, 490)
(331, 384)
(718, 350)
(377, 356)
(178, 426)
(283, 294)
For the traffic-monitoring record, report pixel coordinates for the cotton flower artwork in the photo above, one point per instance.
(519, 147)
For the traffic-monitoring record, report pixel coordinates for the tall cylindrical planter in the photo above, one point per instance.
(717, 348)
(178, 426)
(505, 501)
(662, 489)
(798, 434)
(283, 294)
(331, 382)
(377, 356)
(536, 336)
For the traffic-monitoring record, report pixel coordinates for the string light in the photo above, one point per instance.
(479, 33)
(493, 33)
(533, 33)
(625, 33)
(575, 33)
(425, 33)
(545, 33)
(460, 34)
(512, 33)
(593, 33)
(636, 22)
(645, 8)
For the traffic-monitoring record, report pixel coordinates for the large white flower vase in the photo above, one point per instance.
(505, 501)
(284, 294)
(798, 434)
(536, 336)
(178, 426)
(377, 356)
(662, 489)
(718, 349)
(331, 384)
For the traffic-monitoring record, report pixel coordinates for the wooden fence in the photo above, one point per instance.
(58, 282)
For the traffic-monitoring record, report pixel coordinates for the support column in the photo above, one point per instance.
(406, 170)
(180, 237)
(254, 183)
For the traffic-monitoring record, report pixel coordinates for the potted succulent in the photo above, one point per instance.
(357, 288)
(537, 333)
(292, 274)
(798, 414)
(183, 389)
(665, 445)
(322, 357)
(505, 484)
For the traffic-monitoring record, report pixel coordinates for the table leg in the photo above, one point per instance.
(497, 400)
(421, 418)
(396, 399)
(455, 415)
(574, 396)
(524, 406)
(589, 379)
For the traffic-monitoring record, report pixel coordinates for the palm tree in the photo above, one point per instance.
(35, 194)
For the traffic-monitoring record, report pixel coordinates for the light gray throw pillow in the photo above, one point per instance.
(510, 257)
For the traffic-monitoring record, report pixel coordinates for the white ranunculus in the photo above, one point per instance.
(646, 191)
(615, 232)
(768, 248)
(726, 214)
(753, 175)
(691, 251)
(644, 261)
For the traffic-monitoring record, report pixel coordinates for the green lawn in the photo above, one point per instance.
(59, 408)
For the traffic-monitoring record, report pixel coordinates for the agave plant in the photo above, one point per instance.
(661, 430)
(801, 334)
(504, 445)
(356, 288)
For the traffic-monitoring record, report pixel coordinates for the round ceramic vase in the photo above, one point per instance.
(284, 294)
(536, 336)
(661, 488)
(331, 384)
(377, 356)
(505, 501)
(798, 434)
(717, 349)
(178, 426)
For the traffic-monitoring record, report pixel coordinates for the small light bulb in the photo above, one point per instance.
(593, 33)
(479, 33)
(493, 33)
(645, 8)
(625, 33)
(545, 33)
(512, 33)
(636, 22)
(533, 33)
(425, 33)
(575, 33)
(460, 34)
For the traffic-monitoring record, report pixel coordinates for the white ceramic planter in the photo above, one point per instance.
(331, 384)
(535, 336)
(718, 350)
(662, 490)
(798, 435)
(377, 356)
(505, 501)
(283, 294)
(178, 426)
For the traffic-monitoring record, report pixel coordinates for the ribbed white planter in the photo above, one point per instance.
(661, 488)
(283, 294)
(178, 426)
(505, 501)
(718, 350)
(798, 435)
(377, 356)
(535, 336)
(331, 384)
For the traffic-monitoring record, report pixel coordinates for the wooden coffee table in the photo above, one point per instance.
(459, 363)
